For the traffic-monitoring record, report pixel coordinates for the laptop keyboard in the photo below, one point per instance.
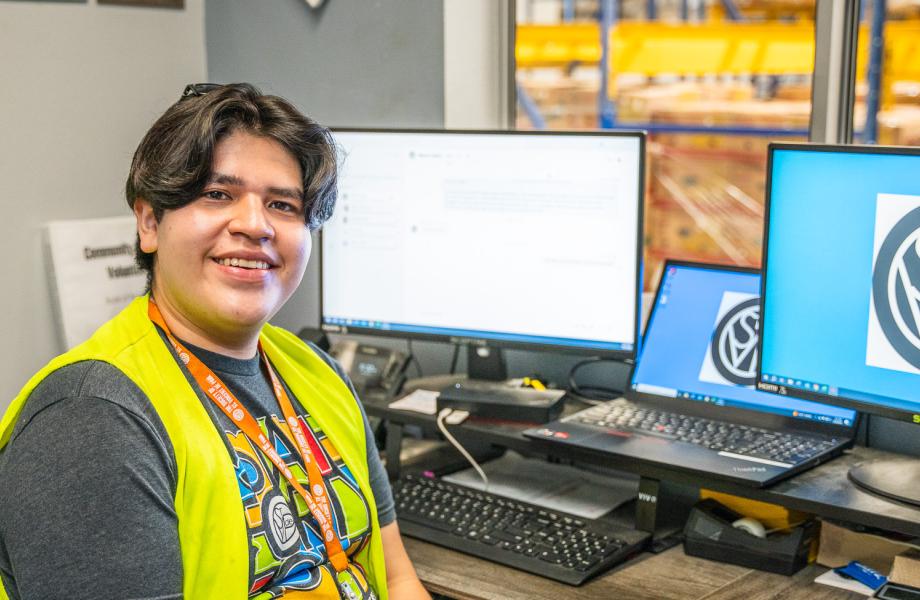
(720, 436)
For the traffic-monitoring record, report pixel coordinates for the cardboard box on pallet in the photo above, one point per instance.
(899, 126)
(642, 104)
(566, 104)
(707, 189)
(701, 204)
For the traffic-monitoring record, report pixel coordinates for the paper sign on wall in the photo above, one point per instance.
(93, 273)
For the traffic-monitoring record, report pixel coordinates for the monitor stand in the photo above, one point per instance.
(485, 363)
(897, 479)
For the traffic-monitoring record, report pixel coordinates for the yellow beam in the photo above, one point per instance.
(654, 49)
(698, 49)
(557, 45)
(902, 50)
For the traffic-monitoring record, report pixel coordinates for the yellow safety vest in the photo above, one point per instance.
(212, 528)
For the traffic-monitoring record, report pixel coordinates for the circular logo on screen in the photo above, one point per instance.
(734, 343)
(896, 287)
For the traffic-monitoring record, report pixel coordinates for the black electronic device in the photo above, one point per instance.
(516, 534)
(315, 336)
(716, 532)
(501, 401)
(897, 591)
(691, 404)
(454, 235)
(841, 289)
(377, 373)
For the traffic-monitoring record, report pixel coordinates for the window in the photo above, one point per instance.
(713, 82)
(887, 107)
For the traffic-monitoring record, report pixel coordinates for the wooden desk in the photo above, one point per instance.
(669, 575)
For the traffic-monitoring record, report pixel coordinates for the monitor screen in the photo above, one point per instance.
(841, 289)
(512, 238)
(701, 344)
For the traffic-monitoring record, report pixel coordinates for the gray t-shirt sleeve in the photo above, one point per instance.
(86, 503)
(380, 483)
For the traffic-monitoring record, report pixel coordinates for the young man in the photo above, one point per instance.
(189, 449)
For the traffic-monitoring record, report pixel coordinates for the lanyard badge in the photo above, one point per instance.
(317, 497)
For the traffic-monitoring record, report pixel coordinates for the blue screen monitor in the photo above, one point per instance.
(841, 285)
(527, 240)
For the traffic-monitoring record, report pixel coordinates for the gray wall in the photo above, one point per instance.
(352, 62)
(80, 85)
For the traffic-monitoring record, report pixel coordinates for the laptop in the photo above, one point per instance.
(691, 402)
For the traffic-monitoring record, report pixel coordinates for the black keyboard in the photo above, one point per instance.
(512, 533)
(719, 436)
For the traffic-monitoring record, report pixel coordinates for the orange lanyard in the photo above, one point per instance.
(317, 497)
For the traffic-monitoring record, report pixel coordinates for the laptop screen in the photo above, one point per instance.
(700, 344)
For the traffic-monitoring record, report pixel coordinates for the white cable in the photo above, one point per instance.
(445, 412)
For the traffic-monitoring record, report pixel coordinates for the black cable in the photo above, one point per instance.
(418, 365)
(592, 392)
(413, 358)
(453, 362)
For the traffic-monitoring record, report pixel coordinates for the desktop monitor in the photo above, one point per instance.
(528, 240)
(841, 288)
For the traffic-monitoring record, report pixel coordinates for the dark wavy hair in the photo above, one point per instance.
(172, 164)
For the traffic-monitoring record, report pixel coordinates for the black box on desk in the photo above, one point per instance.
(709, 534)
(495, 400)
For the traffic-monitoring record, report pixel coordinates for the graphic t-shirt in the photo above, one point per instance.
(286, 548)
(286, 555)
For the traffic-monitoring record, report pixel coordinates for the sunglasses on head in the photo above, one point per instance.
(198, 89)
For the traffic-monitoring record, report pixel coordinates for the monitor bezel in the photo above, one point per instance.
(841, 401)
(748, 416)
(500, 343)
